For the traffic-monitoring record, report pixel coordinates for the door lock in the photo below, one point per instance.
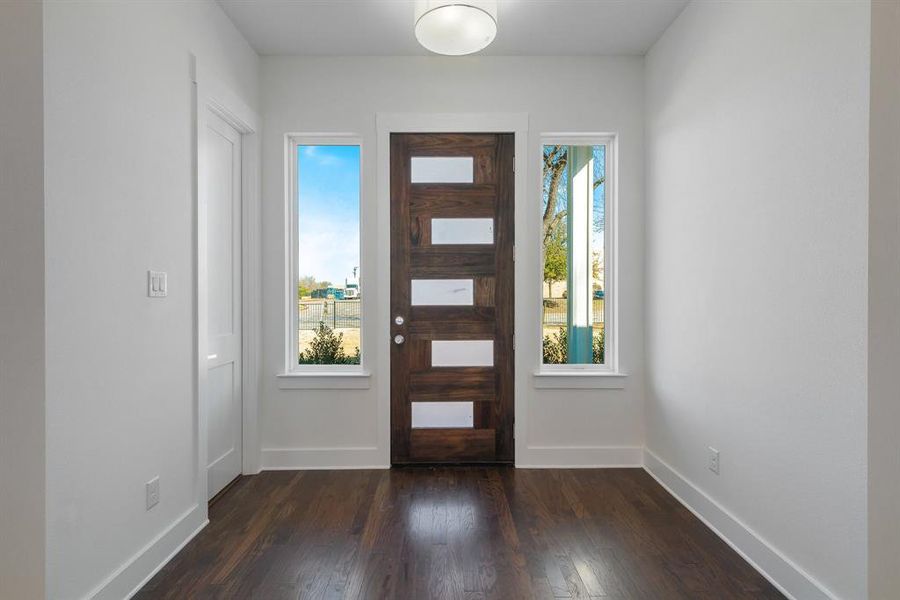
(399, 320)
(399, 339)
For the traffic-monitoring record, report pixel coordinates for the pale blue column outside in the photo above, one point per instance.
(579, 219)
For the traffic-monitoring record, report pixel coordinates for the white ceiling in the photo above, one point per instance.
(385, 27)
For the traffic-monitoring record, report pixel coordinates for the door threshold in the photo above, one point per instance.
(452, 464)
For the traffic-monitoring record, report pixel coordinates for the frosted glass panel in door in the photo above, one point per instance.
(462, 231)
(462, 353)
(442, 414)
(442, 292)
(442, 169)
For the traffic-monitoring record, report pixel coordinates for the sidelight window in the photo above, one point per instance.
(576, 250)
(325, 293)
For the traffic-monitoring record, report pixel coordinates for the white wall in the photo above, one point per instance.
(884, 304)
(341, 427)
(757, 188)
(21, 302)
(120, 406)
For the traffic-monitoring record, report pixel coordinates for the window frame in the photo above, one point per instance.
(610, 263)
(292, 217)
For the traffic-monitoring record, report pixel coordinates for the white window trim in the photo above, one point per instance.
(586, 379)
(606, 375)
(296, 376)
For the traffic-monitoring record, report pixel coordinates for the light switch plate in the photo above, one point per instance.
(157, 284)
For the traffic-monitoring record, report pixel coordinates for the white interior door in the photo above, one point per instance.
(222, 178)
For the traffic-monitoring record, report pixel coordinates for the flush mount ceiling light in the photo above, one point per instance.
(456, 28)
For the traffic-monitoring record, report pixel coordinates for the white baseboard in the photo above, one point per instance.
(579, 457)
(140, 568)
(788, 577)
(279, 459)
(535, 457)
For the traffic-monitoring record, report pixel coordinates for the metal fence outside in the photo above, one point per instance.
(556, 311)
(345, 314)
(337, 314)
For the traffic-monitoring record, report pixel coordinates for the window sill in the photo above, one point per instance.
(359, 380)
(584, 380)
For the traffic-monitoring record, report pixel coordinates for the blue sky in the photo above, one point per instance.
(328, 209)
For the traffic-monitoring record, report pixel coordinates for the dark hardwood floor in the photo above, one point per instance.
(458, 533)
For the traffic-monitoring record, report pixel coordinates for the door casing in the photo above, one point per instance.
(387, 123)
(212, 95)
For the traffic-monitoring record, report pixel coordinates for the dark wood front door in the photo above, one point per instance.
(451, 298)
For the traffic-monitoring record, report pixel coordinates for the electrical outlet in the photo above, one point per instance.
(157, 284)
(152, 492)
(713, 460)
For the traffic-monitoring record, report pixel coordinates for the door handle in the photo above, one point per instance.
(399, 339)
